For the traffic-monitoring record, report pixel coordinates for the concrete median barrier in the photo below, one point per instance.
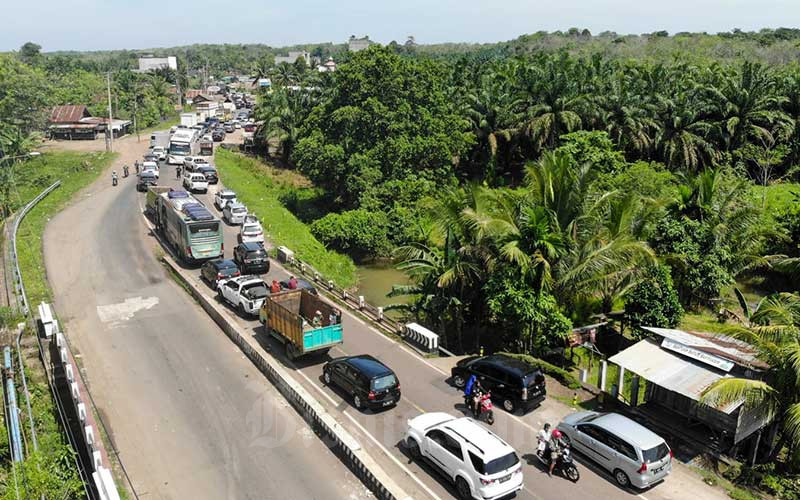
(336, 437)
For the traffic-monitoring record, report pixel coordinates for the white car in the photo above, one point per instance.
(480, 464)
(251, 231)
(245, 293)
(194, 182)
(160, 152)
(150, 166)
(191, 163)
(224, 197)
(234, 212)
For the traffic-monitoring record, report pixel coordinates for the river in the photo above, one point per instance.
(376, 280)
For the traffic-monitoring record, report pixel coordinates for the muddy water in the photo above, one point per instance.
(376, 280)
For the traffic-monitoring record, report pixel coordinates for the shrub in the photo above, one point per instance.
(563, 376)
(359, 233)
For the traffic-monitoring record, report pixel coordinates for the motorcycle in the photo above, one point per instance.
(564, 463)
(485, 410)
(114, 180)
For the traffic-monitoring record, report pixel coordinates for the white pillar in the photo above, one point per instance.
(621, 382)
(603, 374)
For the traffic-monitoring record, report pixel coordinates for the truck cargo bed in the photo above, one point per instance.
(288, 315)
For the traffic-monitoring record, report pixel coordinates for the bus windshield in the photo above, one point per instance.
(203, 230)
(179, 149)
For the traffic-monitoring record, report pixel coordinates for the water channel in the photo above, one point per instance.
(376, 280)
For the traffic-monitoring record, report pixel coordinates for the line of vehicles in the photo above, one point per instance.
(479, 463)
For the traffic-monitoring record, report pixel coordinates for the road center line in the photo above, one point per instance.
(374, 440)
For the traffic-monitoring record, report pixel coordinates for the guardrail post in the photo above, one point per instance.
(330, 284)
(603, 375)
(361, 302)
(316, 277)
(302, 267)
(380, 314)
(344, 294)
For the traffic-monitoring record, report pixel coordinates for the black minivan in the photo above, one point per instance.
(251, 258)
(513, 383)
(369, 383)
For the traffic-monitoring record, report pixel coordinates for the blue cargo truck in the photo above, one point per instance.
(289, 317)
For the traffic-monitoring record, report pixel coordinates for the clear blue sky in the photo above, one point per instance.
(133, 24)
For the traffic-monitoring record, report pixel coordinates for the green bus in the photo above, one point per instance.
(192, 230)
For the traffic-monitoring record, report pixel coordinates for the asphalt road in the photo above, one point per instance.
(425, 389)
(191, 416)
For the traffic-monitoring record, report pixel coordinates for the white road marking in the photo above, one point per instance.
(375, 441)
(123, 311)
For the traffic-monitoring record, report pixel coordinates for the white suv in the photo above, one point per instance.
(480, 464)
(194, 182)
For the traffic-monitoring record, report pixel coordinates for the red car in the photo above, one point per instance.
(250, 127)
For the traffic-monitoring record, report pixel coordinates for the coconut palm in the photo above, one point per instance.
(774, 395)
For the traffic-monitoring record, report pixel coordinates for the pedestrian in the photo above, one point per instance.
(292, 283)
(276, 287)
(136, 166)
(178, 172)
(317, 321)
(332, 318)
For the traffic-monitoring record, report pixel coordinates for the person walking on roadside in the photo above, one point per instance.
(178, 172)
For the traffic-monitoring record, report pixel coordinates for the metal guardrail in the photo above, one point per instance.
(355, 302)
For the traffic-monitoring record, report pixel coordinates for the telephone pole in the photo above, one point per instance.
(110, 143)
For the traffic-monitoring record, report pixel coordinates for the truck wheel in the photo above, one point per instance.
(290, 351)
(327, 377)
(459, 381)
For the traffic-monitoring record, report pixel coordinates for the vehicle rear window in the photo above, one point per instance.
(204, 229)
(500, 464)
(257, 254)
(238, 210)
(655, 454)
(384, 382)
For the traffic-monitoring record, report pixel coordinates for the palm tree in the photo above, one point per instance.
(283, 75)
(746, 105)
(682, 139)
(775, 334)
(626, 115)
(552, 103)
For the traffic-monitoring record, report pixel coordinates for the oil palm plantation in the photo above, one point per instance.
(774, 395)
(683, 137)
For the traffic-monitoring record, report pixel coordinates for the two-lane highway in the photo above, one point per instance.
(425, 389)
(191, 416)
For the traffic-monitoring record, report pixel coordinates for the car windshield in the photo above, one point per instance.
(384, 382)
(501, 464)
(655, 454)
(256, 291)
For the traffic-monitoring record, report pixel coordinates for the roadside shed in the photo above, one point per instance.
(679, 365)
(75, 122)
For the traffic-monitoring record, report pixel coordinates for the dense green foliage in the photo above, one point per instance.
(356, 232)
(653, 301)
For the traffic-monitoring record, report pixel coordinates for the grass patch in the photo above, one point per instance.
(779, 196)
(75, 170)
(259, 186)
(49, 472)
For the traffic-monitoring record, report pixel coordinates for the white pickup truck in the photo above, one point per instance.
(245, 293)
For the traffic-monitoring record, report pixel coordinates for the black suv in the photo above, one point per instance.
(251, 258)
(513, 383)
(208, 171)
(218, 269)
(370, 383)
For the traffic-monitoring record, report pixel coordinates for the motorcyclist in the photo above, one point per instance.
(477, 393)
(543, 437)
(554, 445)
(125, 170)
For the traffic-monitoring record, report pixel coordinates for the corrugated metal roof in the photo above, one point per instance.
(720, 345)
(68, 114)
(670, 371)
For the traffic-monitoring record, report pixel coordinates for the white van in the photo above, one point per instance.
(153, 141)
(194, 181)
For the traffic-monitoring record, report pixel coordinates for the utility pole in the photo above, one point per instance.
(110, 143)
(135, 111)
